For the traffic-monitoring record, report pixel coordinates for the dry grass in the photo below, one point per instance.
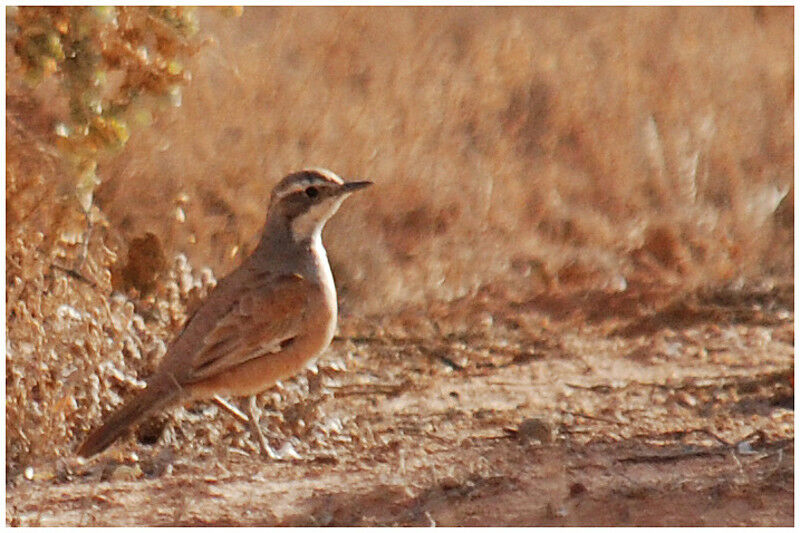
(549, 149)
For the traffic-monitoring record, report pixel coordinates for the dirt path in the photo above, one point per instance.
(675, 413)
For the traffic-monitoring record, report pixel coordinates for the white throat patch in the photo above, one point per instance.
(309, 225)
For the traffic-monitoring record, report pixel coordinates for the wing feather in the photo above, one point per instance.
(261, 320)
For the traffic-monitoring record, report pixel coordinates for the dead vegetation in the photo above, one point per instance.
(582, 232)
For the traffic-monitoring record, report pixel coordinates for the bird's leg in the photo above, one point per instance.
(256, 429)
(232, 409)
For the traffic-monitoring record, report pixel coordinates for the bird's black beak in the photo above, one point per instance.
(353, 186)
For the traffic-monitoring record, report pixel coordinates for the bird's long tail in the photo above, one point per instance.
(159, 394)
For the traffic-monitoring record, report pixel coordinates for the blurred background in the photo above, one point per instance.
(522, 150)
(595, 146)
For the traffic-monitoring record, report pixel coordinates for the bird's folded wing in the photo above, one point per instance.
(259, 322)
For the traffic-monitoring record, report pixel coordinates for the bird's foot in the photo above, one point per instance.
(255, 428)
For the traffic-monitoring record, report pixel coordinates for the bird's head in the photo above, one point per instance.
(307, 199)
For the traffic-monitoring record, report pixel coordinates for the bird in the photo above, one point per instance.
(264, 322)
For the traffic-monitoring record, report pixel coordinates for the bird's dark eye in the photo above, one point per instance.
(312, 192)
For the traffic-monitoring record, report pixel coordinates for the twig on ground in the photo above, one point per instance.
(75, 274)
(591, 417)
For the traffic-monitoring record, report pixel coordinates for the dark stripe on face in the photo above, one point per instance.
(299, 202)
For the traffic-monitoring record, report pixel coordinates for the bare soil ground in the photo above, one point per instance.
(625, 421)
(567, 300)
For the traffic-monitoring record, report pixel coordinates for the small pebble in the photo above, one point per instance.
(535, 429)
(576, 489)
(744, 448)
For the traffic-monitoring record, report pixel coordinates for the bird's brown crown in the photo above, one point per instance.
(302, 180)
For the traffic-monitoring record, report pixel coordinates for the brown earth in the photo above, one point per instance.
(564, 424)
(568, 300)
